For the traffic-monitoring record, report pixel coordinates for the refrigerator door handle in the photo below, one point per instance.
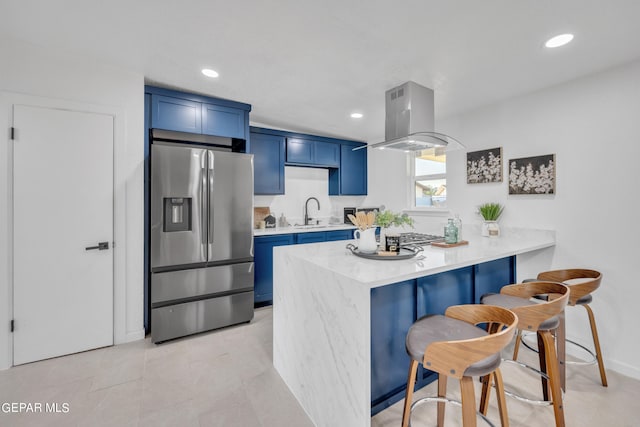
(211, 174)
(203, 198)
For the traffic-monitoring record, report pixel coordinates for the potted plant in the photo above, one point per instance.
(490, 213)
(386, 219)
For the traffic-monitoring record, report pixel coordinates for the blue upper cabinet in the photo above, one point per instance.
(351, 178)
(327, 153)
(268, 163)
(313, 153)
(223, 121)
(347, 168)
(300, 150)
(188, 112)
(176, 114)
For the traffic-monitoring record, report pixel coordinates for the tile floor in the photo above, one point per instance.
(225, 378)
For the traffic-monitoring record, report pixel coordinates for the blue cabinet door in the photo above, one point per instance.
(263, 264)
(339, 235)
(223, 121)
(437, 292)
(268, 163)
(176, 114)
(318, 236)
(351, 178)
(393, 311)
(493, 275)
(300, 150)
(327, 154)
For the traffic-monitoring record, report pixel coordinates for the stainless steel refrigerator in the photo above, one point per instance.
(201, 242)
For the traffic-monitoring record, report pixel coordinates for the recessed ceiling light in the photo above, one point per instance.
(558, 41)
(210, 73)
(356, 115)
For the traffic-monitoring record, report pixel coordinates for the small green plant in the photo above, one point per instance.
(387, 218)
(490, 211)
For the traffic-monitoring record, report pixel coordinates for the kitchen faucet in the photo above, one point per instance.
(306, 209)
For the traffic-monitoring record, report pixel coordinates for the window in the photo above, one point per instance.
(430, 178)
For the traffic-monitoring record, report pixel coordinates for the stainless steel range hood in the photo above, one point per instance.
(409, 123)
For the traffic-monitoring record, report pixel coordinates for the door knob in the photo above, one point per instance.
(101, 246)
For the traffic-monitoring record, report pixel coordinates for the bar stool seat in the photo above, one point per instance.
(434, 328)
(453, 346)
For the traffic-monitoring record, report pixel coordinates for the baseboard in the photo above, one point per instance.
(609, 364)
(131, 336)
(623, 368)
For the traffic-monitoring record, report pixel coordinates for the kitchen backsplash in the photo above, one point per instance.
(300, 184)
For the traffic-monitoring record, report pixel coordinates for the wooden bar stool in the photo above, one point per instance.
(453, 346)
(543, 318)
(581, 283)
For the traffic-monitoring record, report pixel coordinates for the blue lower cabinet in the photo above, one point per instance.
(493, 275)
(318, 236)
(437, 292)
(393, 311)
(339, 235)
(263, 264)
(324, 236)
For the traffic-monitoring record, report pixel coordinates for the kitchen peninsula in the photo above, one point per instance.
(339, 321)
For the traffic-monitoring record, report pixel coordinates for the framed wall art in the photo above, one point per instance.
(533, 175)
(484, 166)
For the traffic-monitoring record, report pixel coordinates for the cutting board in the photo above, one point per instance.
(449, 245)
(260, 212)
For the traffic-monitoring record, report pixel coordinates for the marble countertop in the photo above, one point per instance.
(373, 273)
(302, 229)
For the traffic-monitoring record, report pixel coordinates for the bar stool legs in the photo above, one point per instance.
(411, 384)
(582, 282)
(596, 344)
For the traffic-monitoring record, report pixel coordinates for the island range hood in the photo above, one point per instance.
(409, 123)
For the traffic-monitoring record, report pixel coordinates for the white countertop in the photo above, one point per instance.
(335, 257)
(302, 229)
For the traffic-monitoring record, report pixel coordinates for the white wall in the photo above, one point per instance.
(28, 69)
(593, 127)
(300, 183)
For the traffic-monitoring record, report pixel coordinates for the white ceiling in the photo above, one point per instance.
(306, 64)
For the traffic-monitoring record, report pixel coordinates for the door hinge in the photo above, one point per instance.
(13, 133)
(11, 327)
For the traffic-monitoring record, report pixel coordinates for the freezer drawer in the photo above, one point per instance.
(189, 318)
(200, 282)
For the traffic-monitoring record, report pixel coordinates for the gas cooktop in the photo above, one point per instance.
(419, 239)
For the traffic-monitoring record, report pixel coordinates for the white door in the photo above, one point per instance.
(63, 204)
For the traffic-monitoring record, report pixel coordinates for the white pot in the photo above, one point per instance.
(490, 229)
